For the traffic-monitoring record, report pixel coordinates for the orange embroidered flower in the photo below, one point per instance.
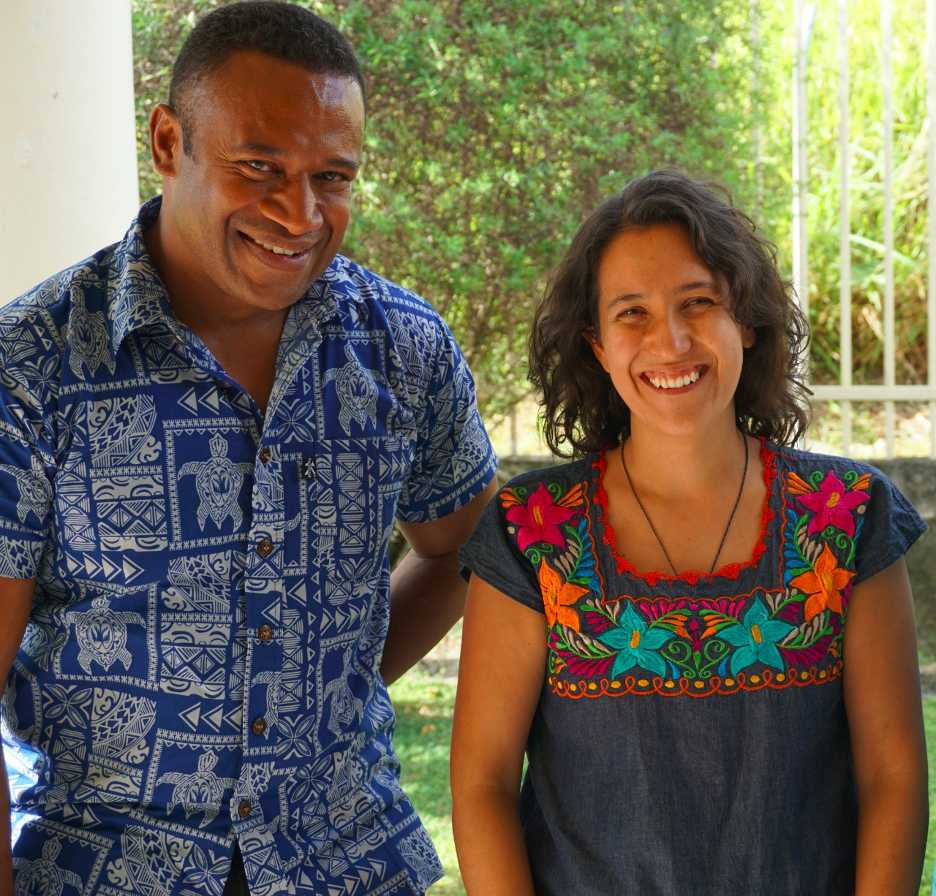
(824, 583)
(558, 597)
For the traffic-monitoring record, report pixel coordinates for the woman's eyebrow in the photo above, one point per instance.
(699, 284)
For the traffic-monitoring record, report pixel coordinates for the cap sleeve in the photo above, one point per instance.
(887, 529)
(492, 554)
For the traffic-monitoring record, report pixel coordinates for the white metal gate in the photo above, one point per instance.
(845, 391)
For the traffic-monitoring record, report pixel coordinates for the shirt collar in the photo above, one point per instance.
(140, 299)
(138, 296)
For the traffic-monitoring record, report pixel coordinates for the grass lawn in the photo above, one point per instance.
(424, 707)
(929, 719)
(424, 725)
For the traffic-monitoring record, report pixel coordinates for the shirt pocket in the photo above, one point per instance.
(347, 495)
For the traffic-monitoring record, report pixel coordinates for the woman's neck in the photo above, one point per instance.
(666, 465)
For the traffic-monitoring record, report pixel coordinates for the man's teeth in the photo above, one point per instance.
(275, 249)
(666, 382)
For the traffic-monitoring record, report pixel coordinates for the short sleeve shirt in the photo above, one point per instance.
(202, 658)
(691, 735)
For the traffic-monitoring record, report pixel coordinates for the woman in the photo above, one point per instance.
(660, 624)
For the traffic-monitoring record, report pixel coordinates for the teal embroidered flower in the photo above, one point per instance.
(755, 637)
(636, 644)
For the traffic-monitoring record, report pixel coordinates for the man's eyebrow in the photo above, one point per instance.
(264, 149)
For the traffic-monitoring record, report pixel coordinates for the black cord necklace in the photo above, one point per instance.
(643, 510)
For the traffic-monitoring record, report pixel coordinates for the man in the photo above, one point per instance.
(206, 433)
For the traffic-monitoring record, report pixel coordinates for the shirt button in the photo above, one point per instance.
(265, 633)
(265, 547)
(244, 808)
(258, 725)
(265, 454)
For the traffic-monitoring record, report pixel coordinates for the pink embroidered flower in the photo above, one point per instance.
(539, 519)
(833, 504)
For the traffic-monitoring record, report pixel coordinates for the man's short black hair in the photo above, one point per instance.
(282, 30)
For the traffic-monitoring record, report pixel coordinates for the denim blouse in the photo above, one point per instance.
(691, 735)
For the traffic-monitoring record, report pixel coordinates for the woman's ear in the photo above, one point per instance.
(591, 337)
(748, 337)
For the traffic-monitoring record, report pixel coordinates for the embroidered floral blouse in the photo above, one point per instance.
(691, 735)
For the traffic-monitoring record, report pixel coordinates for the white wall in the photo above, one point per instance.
(68, 172)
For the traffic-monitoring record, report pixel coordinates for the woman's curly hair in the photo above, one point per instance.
(580, 408)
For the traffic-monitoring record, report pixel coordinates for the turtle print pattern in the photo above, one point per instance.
(202, 659)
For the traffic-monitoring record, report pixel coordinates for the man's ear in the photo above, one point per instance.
(165, 139)
(592, 338)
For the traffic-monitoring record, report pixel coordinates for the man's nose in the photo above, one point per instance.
(294, 206)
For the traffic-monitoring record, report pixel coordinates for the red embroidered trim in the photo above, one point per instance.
(654, 684)
(690, 576)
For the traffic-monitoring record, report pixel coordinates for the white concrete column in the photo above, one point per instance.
(68, 171)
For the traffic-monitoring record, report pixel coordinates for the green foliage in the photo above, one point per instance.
(495, 127)
(159, 28)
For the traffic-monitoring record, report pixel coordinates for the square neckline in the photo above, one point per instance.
(690, 576)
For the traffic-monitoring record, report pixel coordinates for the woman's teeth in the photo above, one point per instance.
(666, 382)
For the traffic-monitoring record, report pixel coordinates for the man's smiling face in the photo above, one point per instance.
(258, 207)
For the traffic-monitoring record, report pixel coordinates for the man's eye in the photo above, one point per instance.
(334, 177)
(257, 165)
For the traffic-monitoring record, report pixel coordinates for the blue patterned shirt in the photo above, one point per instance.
(201, 662)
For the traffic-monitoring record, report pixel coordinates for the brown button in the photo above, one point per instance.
(265, 547)
(258, 725)
(265, 454)
(244, 808)
(265, 633)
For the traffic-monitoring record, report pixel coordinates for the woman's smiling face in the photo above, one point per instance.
(665, 332)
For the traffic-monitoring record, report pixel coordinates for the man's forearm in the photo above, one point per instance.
(427, 597)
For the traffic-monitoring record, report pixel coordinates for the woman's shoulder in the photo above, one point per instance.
(800, 461)
(565, 474)
(829, 494)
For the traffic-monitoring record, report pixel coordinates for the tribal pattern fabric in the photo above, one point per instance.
(202, 658)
